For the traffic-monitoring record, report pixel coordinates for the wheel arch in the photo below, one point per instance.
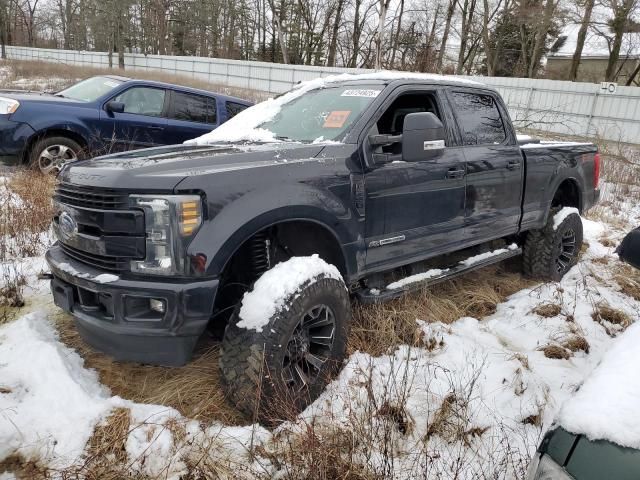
(568, 194)
(237, 240)
(71, 134)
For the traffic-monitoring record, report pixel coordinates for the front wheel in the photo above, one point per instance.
(274, 367)
(549, 253)
(50, 154)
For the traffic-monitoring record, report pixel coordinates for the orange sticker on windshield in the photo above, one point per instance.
(336, 119)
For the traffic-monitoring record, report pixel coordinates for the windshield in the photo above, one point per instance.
(323, 114)
(90, 89)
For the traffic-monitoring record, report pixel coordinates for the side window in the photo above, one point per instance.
(193, 108)
(479, 119)
(143, 101)
(233, 109)
(392, 120)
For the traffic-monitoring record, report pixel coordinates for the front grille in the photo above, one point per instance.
(101, 262)
(91, 197)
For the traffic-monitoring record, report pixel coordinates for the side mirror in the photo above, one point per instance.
(422, 137)
(114, 107)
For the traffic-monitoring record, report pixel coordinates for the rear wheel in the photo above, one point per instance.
(275, 373)
(549, 253)
(50, 154)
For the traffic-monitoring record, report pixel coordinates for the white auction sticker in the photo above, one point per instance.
(361, 93)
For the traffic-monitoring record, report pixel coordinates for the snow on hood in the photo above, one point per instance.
(245, 125)
(606, 406)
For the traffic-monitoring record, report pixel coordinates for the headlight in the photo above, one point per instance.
(169, 221)
(545, 468)
(8, 105)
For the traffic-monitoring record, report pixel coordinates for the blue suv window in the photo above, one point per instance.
(193, 108)
(233, 109)
(143, 101)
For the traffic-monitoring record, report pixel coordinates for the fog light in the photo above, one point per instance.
(157, 305)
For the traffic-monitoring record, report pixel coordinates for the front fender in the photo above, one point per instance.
(222, 235)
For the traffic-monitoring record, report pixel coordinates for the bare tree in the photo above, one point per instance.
(582, 35)
(622, 10)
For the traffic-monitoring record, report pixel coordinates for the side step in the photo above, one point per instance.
(419, 281)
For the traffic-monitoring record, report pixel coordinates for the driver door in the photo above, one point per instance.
(414, 210)
(143, 122)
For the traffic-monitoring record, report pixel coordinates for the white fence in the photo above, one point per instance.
(581, 109)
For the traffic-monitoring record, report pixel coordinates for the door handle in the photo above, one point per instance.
(513, 164)
(456, 172)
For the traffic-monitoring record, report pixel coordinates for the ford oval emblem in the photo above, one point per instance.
(68, 226)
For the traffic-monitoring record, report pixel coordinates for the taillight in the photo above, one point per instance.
(596, 170)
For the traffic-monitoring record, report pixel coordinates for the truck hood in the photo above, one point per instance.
(162, 168)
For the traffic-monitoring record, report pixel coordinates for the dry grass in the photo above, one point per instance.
(576, 343)
(105, 456)
(23, 469)
(194, 390)
(548, 310)
(24, 219)
(57, 76)
(378, 328)
(320, 453)
(557, 352)
(26, 214)
(628, 279)
(612, 319)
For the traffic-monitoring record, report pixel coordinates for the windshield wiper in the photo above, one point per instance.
(285, 138)
(59, 95)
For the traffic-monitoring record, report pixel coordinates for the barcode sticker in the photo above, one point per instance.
(369, 93)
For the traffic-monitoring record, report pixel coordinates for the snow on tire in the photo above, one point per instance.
(287, 339)
(549, 253)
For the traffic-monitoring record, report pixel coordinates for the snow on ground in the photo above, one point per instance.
(50, 404)
(616, 385)
(474, 397)
(499, 389)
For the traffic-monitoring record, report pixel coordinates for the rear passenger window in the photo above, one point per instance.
(479, 119)
(233, 109)
(193, 108)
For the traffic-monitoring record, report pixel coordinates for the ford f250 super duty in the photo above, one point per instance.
(395, 181)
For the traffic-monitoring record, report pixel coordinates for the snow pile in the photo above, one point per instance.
(562, 215)
(245, 126)
(50, 404)
(276, 285)
(486, 255)
(483, 393)
(606, 407)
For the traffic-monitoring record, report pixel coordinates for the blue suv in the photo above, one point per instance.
(102, 115)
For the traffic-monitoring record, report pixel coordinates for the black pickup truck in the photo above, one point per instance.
(397, 181)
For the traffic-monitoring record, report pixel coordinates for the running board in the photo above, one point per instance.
(370, 296)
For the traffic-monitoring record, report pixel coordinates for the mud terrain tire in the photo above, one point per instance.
(550, 253)
(259, 369)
